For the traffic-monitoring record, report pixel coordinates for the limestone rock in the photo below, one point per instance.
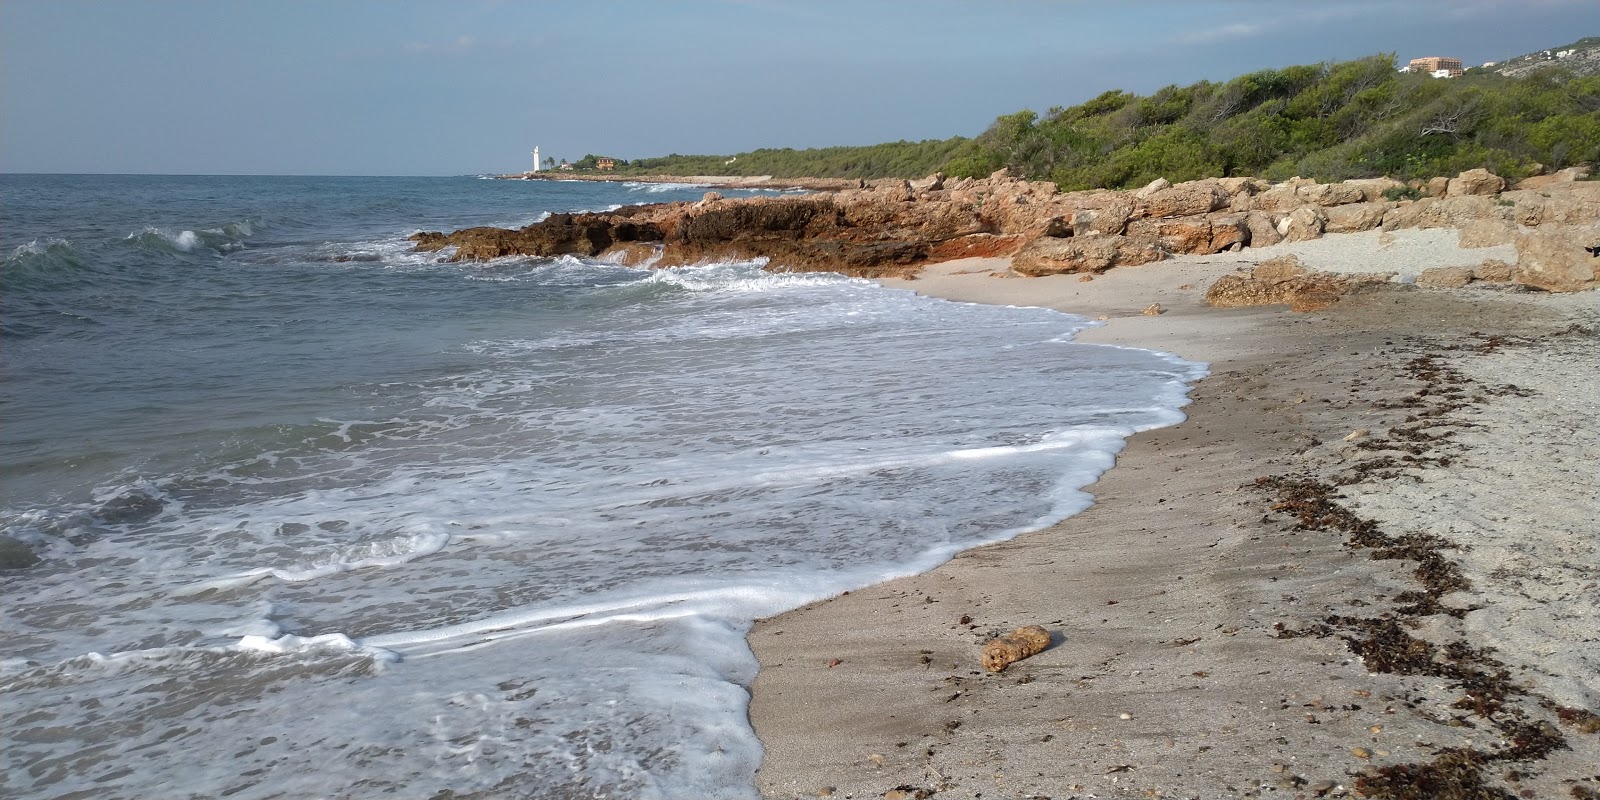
(1448, 212)
(1487, 233)
(1372, 189)
(1356, 217)
(1100, 212)
(708, 199)
(1152, 187)
(1051, 256)
(1284, 280)
(1493, 270)
(1557, 260)
(1446, 277)
(1198, 234)
(1153, 310)
(1263, 230)
(1279, 200)
(1303, 223)
(1475, 182)
(1182, 200)
(1436, 187)
(1331, 194)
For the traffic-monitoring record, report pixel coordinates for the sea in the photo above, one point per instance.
(291, 511)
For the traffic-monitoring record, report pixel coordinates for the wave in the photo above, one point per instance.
(220, 240)
(658, 188)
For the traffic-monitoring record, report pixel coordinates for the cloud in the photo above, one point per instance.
(460, 45)
(1226, 33)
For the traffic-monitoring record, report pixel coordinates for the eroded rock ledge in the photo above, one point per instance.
(893, 227)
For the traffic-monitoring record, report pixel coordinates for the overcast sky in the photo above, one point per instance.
(430, 87)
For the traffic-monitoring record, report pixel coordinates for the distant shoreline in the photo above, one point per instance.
(713, 181)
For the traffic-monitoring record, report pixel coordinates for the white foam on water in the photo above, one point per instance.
(533, 573)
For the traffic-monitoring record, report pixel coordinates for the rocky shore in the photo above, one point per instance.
(892, 228)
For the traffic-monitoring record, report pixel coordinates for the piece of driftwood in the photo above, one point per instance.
(1015, 646)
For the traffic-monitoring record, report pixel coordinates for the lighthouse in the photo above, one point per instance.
(536, 158)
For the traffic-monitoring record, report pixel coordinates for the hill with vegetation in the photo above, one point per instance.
(1331, 122)
(1579, 58)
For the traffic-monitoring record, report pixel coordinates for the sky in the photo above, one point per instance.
(452, 87)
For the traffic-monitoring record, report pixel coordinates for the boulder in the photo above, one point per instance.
(1182, 200)
(1050, 256)
(1229, 231)
(1436, 187)
(1448, 212)
(1356, 217)
(1285, 280)
(1372, 189)
(1303, 223)
(1099, 212)
(1279, 200)
(708, 198)
(1446, 277)
(1487, 233)
(1475, 182)
(1152, 187)
(1557, 260)
(1493, 270)
(1331, 194)
(1057, 227)
(1562, 203)
(1263, 230)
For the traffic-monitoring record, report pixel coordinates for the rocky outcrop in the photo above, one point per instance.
(1475, 182)
(1051, 256)
(1558, 260)
(1285, 280)
(887, 227)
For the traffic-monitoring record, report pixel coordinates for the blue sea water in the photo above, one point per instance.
(318, 516)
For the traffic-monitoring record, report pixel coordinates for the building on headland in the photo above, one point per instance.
(1437, 66)
(606, 163)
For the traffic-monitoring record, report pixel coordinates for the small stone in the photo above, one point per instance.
(1322, 787)
(1124, 715)
(1375, 730)
(1357, 435)
(1279, 768)
(826, 791)
(876, 759)
(1360, 752)
(1085, 278)
(897, 794)
(1154, 309)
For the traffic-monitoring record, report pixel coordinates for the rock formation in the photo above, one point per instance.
(874, 228)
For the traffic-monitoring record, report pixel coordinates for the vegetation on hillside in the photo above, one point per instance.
(1331, 122)
(900, 159)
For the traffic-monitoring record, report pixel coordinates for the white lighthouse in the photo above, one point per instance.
(535, 158)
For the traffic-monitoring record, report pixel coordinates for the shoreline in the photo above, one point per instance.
(708, 181)
(1188, 660)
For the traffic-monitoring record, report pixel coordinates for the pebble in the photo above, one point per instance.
(826, 791)
(1124, 715)
(1322, 787)
(1360, 752)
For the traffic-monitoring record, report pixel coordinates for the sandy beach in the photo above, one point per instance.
(1364, 566)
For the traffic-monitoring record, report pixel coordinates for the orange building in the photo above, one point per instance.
(1436, 66)
(606, 163)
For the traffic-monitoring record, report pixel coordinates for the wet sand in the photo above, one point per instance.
(1221, 635)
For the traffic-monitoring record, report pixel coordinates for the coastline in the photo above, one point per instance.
(1187, 659)
(709, 181)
